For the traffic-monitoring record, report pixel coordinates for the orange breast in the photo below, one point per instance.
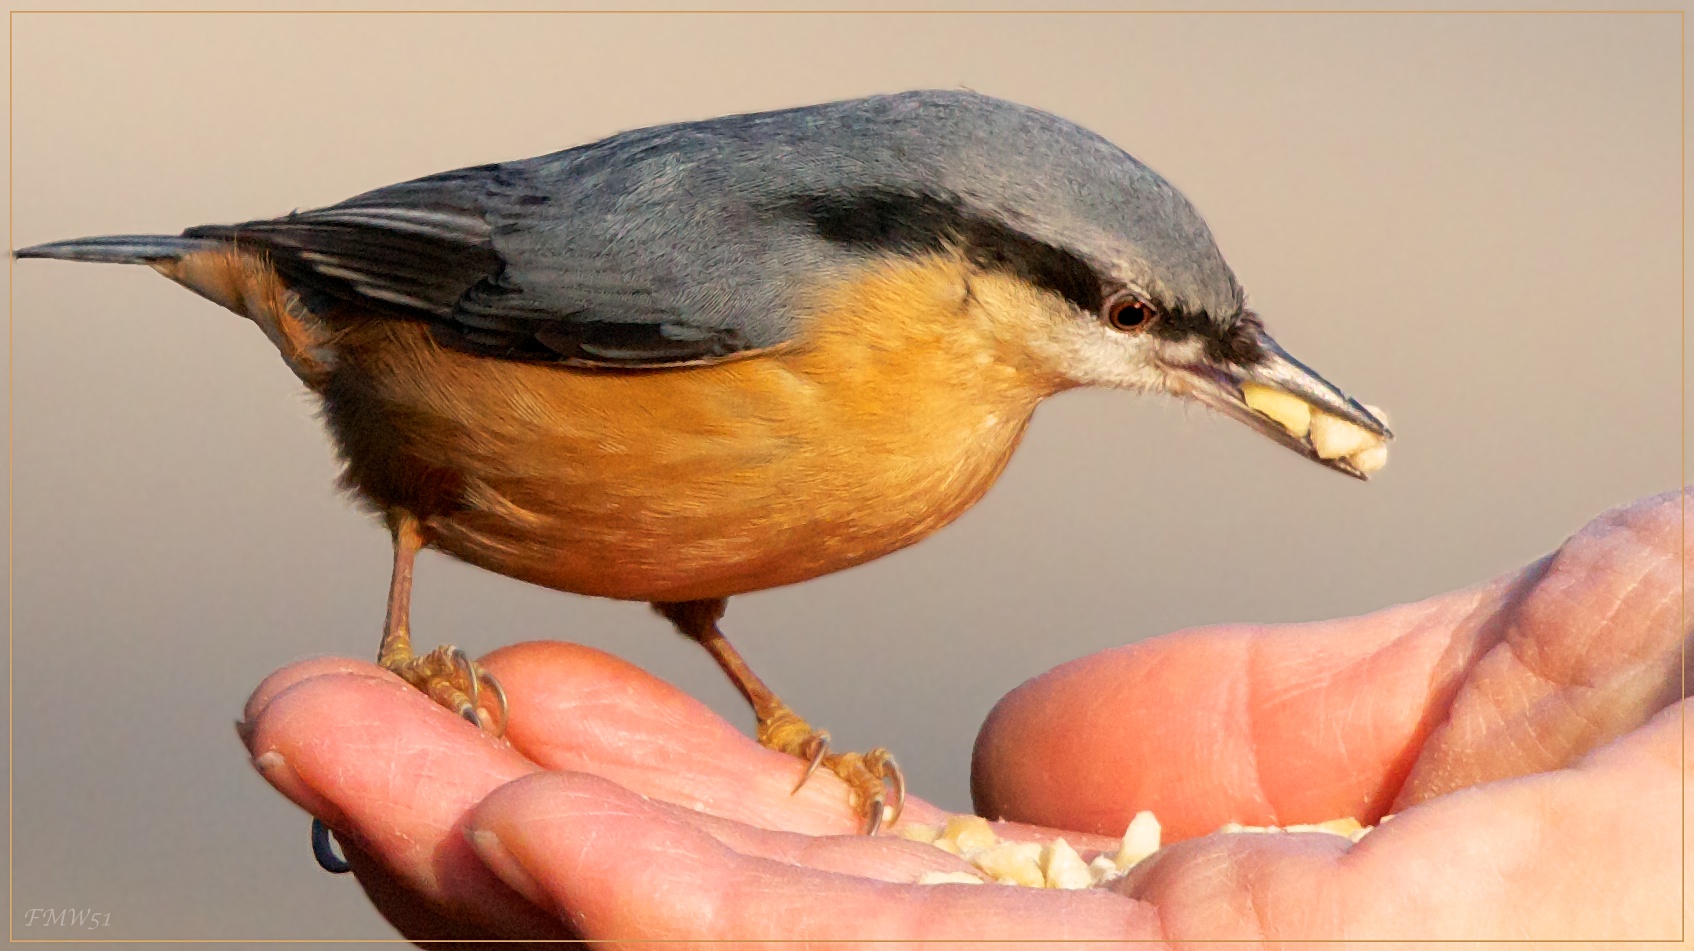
(894, 414)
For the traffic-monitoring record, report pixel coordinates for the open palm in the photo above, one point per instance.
(1526, 733)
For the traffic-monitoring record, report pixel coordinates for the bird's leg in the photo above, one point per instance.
(871, 775)
(447, 674)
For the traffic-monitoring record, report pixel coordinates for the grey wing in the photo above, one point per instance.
(500, 263)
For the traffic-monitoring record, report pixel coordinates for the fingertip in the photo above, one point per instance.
(1091, 742)
(489, 847)
(553, 805)
(571, 842)
(313, 705)
(331, 742)
(274, 685)
(276, 770)
(284, 728)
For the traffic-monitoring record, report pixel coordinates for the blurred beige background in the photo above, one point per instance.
(1471, 220)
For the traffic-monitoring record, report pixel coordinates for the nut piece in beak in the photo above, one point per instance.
(1287, 410)
(1334, 438)
(1280, 397)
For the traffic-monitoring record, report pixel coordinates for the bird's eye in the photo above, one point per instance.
(1129, 313)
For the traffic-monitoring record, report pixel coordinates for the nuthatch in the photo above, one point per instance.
(702, 359)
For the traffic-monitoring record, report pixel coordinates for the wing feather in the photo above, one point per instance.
(429, 249)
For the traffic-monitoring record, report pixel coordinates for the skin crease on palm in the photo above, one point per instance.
(1526, 733)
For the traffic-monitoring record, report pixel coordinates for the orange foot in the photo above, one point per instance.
(449, 677)
(871, 776)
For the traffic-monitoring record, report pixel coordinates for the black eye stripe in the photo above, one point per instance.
(885, 220)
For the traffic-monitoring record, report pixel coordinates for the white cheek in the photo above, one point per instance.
(1090, 353)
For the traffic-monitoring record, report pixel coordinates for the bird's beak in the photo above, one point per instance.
(1221, 389)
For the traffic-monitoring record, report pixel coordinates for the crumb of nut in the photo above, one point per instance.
(1063, 867)
(1370, 460)
(1012, 864)
(1287, 410)
(971, 833)
(1374, 457)
(1345, 827)
(949, 878)
(919, 833)
(1336, 438)
(1140, 840)
(1055, 864)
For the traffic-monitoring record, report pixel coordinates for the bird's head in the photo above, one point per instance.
(1117, 279)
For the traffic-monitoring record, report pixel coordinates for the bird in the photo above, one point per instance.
(701, 359)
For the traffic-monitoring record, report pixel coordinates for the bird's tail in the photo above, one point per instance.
(120, 248)
(239, 279)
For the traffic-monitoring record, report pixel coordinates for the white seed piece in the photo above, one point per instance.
(1375, 457)
(972, 833)
(920, 833)
(1065, 868)
(949, 878)
(1370, 460)
(1104, 868)
(1346, 826)
(1287, 410)
(1140, 840)
(1011, 865)
(1334, 437)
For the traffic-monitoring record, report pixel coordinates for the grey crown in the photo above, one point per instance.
(687, 243)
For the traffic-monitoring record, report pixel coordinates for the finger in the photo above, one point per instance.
(588, 711)
(1258, 725)
(1547, 856)
(596, 855)
(1590, 653)
(425, 924)
(395, 774)
(1279, 725)
(289, 676)
(884, 858)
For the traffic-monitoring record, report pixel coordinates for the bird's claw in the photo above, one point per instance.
(451, 678)
(873, 777)
(879, 763)
(814, 749)
(472, 691)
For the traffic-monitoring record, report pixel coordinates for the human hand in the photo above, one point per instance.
(1526, 733)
